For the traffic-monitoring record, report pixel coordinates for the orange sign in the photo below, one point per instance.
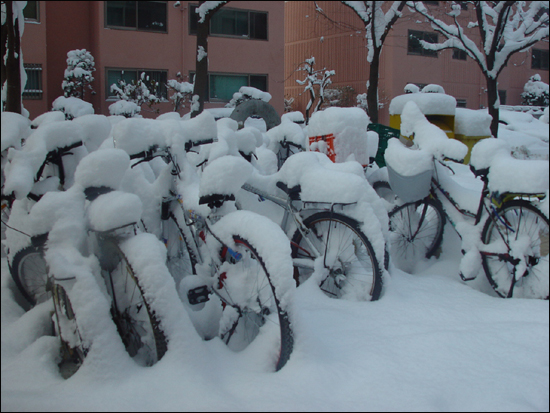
(323, 144)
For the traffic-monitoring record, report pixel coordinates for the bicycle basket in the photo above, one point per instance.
(410, 188)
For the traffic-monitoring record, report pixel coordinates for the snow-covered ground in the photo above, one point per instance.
(431, 343)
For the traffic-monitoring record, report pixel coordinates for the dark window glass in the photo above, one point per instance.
(258, 26)
(459, 54)
(140, 15)
(259, 82)
(30, 12)
(233, 22)
(222, 87)
(540, 59)
(151, 16)
(121, 13)
(414, 46)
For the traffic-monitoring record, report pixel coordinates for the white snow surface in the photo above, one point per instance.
(72, 106)
(15, 127)
(470, 122)
(429, 103)
(444, 344)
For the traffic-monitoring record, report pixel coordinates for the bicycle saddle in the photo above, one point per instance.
(293, 193)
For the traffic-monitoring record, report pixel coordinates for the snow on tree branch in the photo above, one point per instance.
(207, 7)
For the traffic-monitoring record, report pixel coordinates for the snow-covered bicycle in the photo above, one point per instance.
(234, 266)
(501, 224)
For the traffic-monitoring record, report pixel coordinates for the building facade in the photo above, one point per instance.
(338, 43)
(158, 38)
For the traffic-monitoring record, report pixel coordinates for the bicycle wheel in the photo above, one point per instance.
(521, 269)
(352, 270)
(252, 311)
(416, 231)
(179, 258)
(73, 351)
(30, 274)
(137, 324)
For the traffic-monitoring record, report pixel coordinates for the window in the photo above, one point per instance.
(540, 59)
(138, 15)
(33, 88)
(233, 22)
(459, 54)
(31, 11)
(463, 4)
(502, 97)
(132, 75)
(461, 103)
(222, 86)
(414, 46)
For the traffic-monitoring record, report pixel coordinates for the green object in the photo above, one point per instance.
(384, 134)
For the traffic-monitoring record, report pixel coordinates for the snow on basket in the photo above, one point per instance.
(409, 171)
(340, 133)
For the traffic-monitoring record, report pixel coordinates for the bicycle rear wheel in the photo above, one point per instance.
(30, 274)
(252, 311)
(352, 270)
(521, 233)
(132, 313)
(416, 231)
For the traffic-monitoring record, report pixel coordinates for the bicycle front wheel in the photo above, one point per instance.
(351, 269)
(252, 312)
(180, 259)
(416, 231)
(73, 351)
(132, 313)
(520, 232)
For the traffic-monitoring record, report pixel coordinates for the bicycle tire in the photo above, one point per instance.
(521, 218)
(413, 238)
(141, 333)
(251, 307)
(29, 271)
(180, 259)
(73, 351)
(354, 270)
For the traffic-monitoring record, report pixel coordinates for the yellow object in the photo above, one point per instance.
(469, 141)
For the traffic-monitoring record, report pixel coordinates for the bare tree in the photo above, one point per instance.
(377, 25)
(12, 30)
(312, 82)
(505, 28)
(205, 10)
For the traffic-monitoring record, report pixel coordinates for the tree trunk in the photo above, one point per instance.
(372, 90)
(201, 71)
(11, 68)
(492, 98)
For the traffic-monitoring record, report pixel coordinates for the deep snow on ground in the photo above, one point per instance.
(430, 343)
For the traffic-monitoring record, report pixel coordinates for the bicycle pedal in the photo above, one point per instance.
(198, 295)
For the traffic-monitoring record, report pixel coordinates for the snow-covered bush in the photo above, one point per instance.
(182, 92)
(140, 92)
(247, 93)
(432, 88)
(124, 108)
(78, 75)
(72, 107)
(412, 88)
(535, 92)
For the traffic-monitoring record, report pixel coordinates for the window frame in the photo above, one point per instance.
(136, 26)
(112, 98)
(424, 52)
(461, 103)
(216, 100)
(541, 59)
(458, 53)
(32, 19)
(33, 94)
(193, 32)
